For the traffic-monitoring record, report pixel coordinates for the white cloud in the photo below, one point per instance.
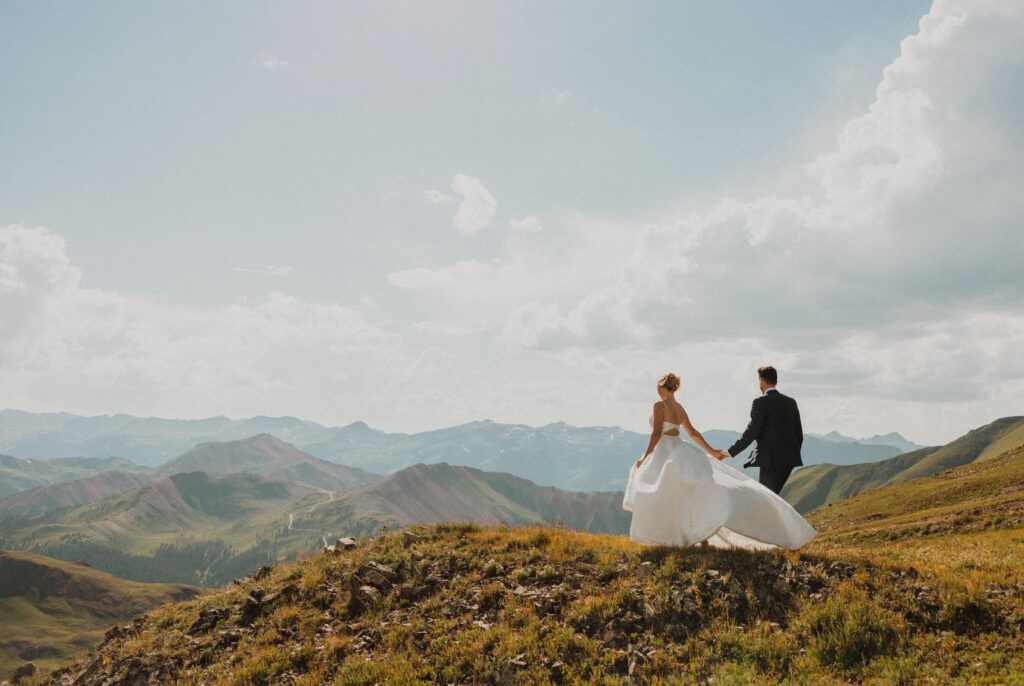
(437, 197)
(527, 224)
(901, 220)
(557, 98)
(270, 270)
(448, 329)
(477, 208)
(908, 227)
(62, 344)
(271, 63)
(423, 280)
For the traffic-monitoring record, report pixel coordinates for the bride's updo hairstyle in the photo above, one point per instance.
(670, 382)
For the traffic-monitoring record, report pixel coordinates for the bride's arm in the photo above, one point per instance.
(695, 435)
(659, 418)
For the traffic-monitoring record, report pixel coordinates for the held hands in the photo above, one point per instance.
(721, 455)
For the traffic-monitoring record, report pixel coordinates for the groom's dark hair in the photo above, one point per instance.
(770, 376)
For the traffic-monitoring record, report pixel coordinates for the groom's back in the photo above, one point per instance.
(782, 435)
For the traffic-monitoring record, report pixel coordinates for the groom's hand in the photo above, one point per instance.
(722, 454)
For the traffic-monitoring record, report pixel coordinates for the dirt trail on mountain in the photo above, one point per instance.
(324, 535)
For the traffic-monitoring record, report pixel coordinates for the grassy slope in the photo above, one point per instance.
(20, 475)
(89, 489)
(812, 487)
(1011, 438)
(182, 508)
(51, 609)
(982, 443)
(967, 521)
(189, 528)
(539, 605)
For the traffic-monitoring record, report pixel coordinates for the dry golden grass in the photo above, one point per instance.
(542, 605)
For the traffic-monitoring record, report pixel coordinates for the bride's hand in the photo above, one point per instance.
(640, 461)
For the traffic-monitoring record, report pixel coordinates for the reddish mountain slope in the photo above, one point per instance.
(423, 494)
(83, 491)
(265, 455)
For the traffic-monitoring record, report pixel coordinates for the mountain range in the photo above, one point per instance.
(261, 500)
(220, 508)
(893, 439)
(560, 455)
(261, 455)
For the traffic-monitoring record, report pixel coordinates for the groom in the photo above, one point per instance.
(775, 426)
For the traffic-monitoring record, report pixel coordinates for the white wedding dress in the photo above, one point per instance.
(681, 496)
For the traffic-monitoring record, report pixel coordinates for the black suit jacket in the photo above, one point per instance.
(775, 426)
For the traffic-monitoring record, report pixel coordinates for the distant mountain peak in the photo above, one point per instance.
(891, 435)
(263, 439)
(265, 455)
(893, 439)
(359, 428)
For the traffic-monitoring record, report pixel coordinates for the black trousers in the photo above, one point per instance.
(774, 479)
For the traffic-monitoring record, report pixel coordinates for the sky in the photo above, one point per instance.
(418, 214)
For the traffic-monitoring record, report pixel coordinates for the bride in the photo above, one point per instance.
(680, 496)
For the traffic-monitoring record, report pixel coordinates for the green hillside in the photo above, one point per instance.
(424, 494)
(89, 489)
(194, 528)
(20, 475)
(980, 444)
(967, 521)
(181, 507)
(811, 487)
(50, 610)
(188, 528)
